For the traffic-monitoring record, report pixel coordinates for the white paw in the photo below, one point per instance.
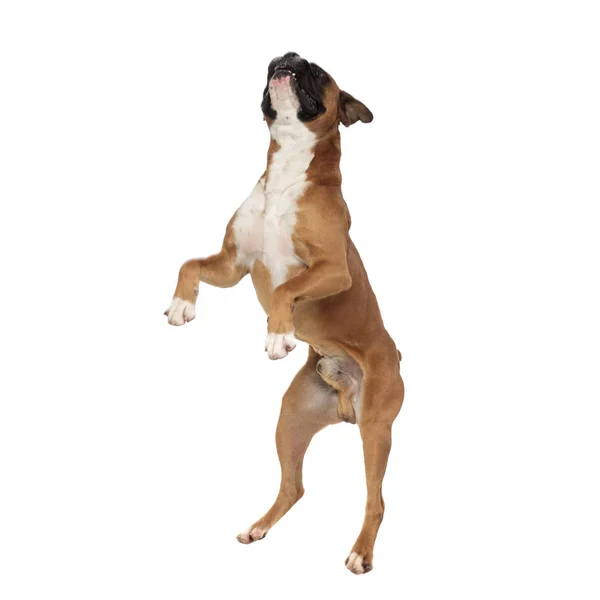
(277, 345)
(355, 564)
(251, 535)
(180, 312)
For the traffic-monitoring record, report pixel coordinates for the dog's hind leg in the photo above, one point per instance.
(308, 406)
(381, 400)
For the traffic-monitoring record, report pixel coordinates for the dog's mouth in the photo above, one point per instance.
(306, 100)
(283, 71)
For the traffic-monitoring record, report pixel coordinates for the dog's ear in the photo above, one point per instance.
(351, 110)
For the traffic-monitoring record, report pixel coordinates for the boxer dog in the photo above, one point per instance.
(291, 236)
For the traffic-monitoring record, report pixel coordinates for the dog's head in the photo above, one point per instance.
(302, 91)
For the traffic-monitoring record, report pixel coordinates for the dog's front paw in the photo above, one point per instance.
(278, 345)
(180, 312)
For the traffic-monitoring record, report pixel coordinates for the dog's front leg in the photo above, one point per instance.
(221, 270)
(324, 277)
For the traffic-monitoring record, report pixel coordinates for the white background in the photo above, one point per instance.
(131, 452)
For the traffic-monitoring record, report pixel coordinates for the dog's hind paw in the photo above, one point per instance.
(355, 563)
(253, 534)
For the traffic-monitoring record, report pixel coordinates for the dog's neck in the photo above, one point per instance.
(289, 132)
(298, 151)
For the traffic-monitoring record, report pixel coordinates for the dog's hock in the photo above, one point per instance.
(180, 312)
(278, 345)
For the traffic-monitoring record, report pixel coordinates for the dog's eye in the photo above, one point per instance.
(319, 73)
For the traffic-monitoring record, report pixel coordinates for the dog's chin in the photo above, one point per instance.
(284, 92)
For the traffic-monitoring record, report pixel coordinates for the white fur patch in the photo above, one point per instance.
(252, 534)
(354, 563)
(264, 224)
(180, 312)
(248, 226)
(277, 345)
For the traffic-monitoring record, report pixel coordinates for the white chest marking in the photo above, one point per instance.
(264, 224)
